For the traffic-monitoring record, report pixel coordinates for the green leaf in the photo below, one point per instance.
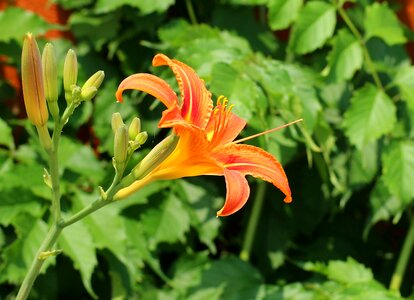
(315, 25)
(371, 115)
(282, 13)
(364, 164)
(146, 7)
(381, 21)
(167, 223)
(6, 137)
(398, 169)
(22, 21)
(346, 56)
(77, 243)
(404, 79)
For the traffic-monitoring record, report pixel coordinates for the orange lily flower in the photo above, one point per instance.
(206, 143)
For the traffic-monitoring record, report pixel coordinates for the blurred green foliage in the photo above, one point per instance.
(343, 68)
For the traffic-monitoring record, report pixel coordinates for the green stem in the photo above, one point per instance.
(361, 40)
(37, 263)
(407, 248)
(253, 221)
(191, 13)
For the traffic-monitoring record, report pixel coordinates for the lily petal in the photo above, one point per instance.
(150, 84)
(196, 103)
(251, 160)
(237, 192)
(223, 128)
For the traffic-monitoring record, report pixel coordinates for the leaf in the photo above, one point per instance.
(315, 24)
(371, 115)
(404, 79)
(282, 13)
(77, 243)
(6, 137)
(167, 223)
(145, 7)
(346, 56)
(398, 169)
(381, 21)
(22, 21)
(364, 164)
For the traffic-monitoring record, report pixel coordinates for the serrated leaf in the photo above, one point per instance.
(315, 25)
(23, 21)
(364, 164)
(346, 56)
(145, 7)
(371, 115)
(348, 272)
(398, 169)
(282, 13)
(382, 22)
(77, 243)
(167, 223)
(404, 79)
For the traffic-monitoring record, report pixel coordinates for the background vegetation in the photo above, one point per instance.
(343, 67)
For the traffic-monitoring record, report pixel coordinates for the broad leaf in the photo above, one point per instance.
(22, 21)
(77, 243)
(6, 137)
(398, 169)
(371, 115)
(146, 7)
(404, 79)
(282, 13)
(381, 21)
(316, 23)
(346, 56)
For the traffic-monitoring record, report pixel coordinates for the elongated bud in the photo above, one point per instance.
(116, 121)
(32, 82)
(50, 79)
(141, 138)
(156, 156)
(134, 128)
(88, 93)
(120, 147)
(70, 74)
(95, 80)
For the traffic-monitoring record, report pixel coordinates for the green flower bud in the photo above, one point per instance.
(134, 128)
(95, 80)
(116, 121)
(70, 74)
(155, 157)
(120, 147)
(88, 93)
(141, 138)
(32, 82)
(50, 79)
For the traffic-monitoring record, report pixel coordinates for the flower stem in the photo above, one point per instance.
(190, 11)
(253, 221)
(361, 40)
(37, 263)
(407, 248)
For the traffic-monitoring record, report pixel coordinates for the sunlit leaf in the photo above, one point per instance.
(371, 115)
(145, 7)
(282, 13)
(316, 23)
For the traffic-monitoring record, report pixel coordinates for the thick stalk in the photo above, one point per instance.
(403, 259)
(361, 40)
(37, 263)
(253, 221)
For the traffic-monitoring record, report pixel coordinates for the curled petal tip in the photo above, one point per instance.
(288, 199)
(118, 96)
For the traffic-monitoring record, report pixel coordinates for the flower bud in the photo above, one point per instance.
(134, 128)
(120, 147)
(116, 121)
(141, 138)
(70, 74)
(95, 80)
(50, 79)
(88, 93)
(32, 82)
(155, 157)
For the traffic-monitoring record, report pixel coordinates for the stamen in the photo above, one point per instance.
(266, 132)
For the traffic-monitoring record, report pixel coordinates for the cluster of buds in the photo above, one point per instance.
(40, 85)
(126, 140)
